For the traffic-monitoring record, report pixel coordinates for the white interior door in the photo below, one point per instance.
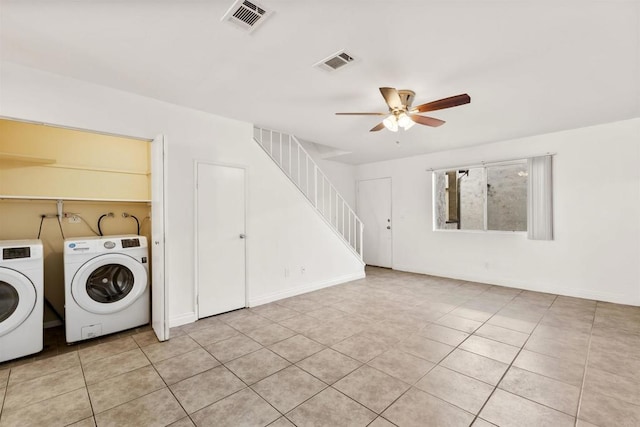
(220, 238)
(159, 312)
(374, 209)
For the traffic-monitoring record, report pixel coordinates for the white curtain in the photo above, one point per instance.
(540, 200)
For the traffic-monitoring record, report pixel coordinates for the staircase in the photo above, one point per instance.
(287, 152)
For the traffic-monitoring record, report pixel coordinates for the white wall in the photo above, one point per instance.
(282, 230)
(596, 251)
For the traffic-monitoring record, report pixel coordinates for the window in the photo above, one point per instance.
(491, 197)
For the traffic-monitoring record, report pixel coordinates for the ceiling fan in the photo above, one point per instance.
(402, 114)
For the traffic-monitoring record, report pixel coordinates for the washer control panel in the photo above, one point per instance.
(105, 244)
(130, 243)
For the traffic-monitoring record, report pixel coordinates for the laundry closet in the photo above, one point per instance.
(58, 184)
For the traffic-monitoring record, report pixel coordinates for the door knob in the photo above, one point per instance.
(388, 227)
(157, 242)
(242, 236)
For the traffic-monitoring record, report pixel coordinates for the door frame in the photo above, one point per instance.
(196, 285)
(358, 181)
(160, 209)
(159, 179)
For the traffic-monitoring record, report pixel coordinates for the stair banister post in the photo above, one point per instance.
(361, 251)
(337, 212)
(341, 217)
(315, 185)
(330, 210)
(323, 196)
(290, 171)
(298, 163)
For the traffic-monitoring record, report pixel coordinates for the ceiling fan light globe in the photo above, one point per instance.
(391, 123)
(409, 125)
(404, 121)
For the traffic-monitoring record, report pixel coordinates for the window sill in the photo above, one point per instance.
(524, 233)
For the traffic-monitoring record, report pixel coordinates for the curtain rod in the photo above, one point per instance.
(484, 162)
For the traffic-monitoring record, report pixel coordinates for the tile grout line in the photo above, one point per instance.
(248, 386)
(4, 397)
(380, 416)
(459, 287)
(86, 387)
(35, 360)
(445, 356)
(547, 309)
(163, 380)
(586, 364)
(327, 385)
(511, 364)
(309, 373)
(123, 373)
(436, 364)
(192, 376)
(47, 398)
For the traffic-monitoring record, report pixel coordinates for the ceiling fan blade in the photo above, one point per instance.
(441, 104)
(391, 97)
(428, 121)
(377, 127)
(361, 114)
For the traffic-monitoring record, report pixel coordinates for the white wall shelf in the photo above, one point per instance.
(72, 199)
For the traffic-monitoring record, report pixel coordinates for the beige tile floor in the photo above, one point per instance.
(392, 349)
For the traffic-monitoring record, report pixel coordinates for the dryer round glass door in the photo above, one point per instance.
(17, 299)
(9, 300)
(109, 283)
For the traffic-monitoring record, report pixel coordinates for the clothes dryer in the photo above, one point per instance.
(21, 298)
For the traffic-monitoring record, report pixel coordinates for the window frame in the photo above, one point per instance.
(484, 166)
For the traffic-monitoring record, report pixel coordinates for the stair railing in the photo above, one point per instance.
(287, 152)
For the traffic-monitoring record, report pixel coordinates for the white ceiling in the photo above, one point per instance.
(530, 67)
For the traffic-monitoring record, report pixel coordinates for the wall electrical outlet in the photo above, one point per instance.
(73, 219)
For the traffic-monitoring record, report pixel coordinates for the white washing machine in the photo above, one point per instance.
(106, 285)
(21, 298)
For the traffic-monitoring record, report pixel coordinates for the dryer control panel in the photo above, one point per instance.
(17, 250)
(14, 253)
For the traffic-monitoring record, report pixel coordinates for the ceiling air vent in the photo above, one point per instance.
(335, 61)
(247, 15)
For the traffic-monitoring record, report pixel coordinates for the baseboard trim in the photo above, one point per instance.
(569, 292)
(265, 299)
(183, 319)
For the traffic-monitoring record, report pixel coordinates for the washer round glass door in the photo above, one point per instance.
(17, 299)
(109, 283)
